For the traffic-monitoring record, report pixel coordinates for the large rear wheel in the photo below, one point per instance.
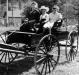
(47, 55)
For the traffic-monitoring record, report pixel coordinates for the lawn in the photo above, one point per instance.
(3, 29)
(25, 66)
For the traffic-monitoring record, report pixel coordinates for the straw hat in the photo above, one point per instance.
(46, 8)
(56, 7)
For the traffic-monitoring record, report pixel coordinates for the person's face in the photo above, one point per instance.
(43, 11)
(33, 5)
(54, 10)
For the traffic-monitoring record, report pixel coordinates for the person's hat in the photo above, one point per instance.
(36, 4)
(56, 7)
(46, 8)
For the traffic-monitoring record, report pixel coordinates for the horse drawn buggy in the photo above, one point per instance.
(44, 48)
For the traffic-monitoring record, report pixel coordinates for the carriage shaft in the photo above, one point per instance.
(7, 46)
(63, 45)
(12, 51)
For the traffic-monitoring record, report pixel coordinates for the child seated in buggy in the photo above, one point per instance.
(44, 18)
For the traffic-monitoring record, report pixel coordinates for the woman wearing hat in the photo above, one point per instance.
(44, 17)
(33, 15)
(54, 17)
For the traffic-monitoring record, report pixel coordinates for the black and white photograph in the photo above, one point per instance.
(39, 37)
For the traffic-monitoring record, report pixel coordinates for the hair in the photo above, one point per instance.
(36, 4)
(57, 7)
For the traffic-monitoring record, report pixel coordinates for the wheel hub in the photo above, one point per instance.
(49, 56)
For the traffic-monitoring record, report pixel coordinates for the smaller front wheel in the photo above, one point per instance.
(47, 55)
(71, 46)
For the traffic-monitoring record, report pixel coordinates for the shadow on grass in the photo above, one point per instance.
(18, 67)
(63, 63)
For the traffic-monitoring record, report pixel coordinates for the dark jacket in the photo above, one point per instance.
(31, 15)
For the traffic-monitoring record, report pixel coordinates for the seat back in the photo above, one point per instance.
(58, 24)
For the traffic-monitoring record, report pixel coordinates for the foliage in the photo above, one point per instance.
(76, 8)
(69, 8)
(4, 1)
(48, 3)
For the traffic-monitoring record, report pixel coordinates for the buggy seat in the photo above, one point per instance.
(22, 37)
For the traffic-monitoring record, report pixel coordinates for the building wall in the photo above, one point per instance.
(15, 21)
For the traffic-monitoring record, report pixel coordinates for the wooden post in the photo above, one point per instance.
(78, 20)
(7, 13)
(66, 16)
(20, 4)
(12, 13)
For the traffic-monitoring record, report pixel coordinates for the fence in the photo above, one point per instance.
(15, 21)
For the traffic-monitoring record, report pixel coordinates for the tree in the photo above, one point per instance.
(76, 8)
(48, 3)
(4, 1)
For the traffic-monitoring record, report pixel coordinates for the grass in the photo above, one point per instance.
(22, 67)
(3, 28)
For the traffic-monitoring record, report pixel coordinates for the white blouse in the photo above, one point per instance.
(55, 17)
(52, 19)
(45, 16)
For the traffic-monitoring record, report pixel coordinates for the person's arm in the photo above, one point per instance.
(40, 17)
(59, 17)
(47, 18)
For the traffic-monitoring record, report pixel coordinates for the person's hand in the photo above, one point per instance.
(26, 19)
(37, 24)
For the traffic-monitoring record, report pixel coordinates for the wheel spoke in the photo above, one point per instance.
(50, 46)
(41, 64)
(5, 36)
(8, 57)
(2, 39)
(54, 60)
(2, 56)
(46, 68)
(5, 57)
(45, 47)
(40, 60)
(11, 55)
(42, 50)
(43, 67)
(49, 65)
(1, 53)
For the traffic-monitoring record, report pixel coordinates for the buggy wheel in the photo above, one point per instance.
(20, 47)
(5, 56)
(71, 46)
(47, 55)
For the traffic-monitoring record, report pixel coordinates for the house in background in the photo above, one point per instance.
(14, 12)
(14, 18)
